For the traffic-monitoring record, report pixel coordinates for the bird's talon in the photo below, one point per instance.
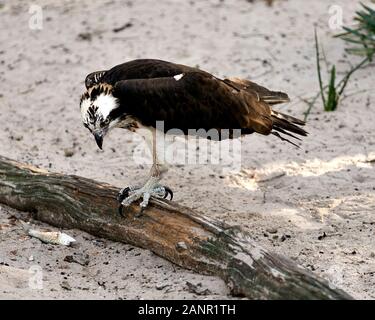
(130, 194)
(169, 192)
(120, 211)
(123, 194)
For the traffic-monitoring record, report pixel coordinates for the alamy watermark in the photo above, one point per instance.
(335, 20)
(35, 277)
(36, 17)
(199, 147)
(335, 276)
(336, 17)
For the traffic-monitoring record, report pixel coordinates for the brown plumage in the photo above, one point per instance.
(188, 98)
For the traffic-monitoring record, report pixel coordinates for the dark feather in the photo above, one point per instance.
(268, 96)
(148, 91)
(94, 78)
(284, 139)
(285, 132)
(146, 69)
(288, 118)
(286, 122)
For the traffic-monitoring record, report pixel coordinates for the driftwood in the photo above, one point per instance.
(178, 234)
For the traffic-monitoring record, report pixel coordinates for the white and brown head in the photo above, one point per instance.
(100, 111)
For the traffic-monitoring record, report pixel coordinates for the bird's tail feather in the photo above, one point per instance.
(287, 125)
(263, 94)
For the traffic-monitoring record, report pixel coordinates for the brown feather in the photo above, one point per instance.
(148, 90)
(271, 97)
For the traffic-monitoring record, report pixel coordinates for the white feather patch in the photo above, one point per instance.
(105, 103)
(178, 76)
(84, 107)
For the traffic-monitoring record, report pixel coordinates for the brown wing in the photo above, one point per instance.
(196, 100)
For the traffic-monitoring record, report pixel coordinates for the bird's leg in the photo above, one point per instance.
(150, 188)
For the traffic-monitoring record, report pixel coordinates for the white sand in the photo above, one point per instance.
(327, 186)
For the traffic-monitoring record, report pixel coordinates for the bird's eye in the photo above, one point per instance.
(106, 121)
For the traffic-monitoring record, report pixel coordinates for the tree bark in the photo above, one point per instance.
(178, 234)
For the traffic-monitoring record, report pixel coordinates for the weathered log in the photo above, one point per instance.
(178, 234)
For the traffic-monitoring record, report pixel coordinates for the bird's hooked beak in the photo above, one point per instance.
(99, 135)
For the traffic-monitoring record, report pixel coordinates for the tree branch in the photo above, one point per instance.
(178, 234)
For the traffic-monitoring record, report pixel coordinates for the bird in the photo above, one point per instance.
(137, 94)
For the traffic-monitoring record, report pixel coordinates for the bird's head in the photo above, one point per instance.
(100, 111)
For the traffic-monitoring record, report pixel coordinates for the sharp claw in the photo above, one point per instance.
(120, 210)
(169, 192)
(123, 194)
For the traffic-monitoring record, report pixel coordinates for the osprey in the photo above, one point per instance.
(137, 94)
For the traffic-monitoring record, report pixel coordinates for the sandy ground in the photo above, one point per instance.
(315, 205)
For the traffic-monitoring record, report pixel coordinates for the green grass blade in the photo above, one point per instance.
(371, 11)
(318, 69)
(332, 99)
(345, 80)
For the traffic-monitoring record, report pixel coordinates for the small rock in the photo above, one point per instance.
(284, 237)
(31, 258)
(181, 246)
(68, 152)
(197, 289)
(85, 36)
(311, 267)
(65, 285)
(16, 137)
(271, 230)
(82, 259)
(321, 237)
(161, 286)
(125, 26)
